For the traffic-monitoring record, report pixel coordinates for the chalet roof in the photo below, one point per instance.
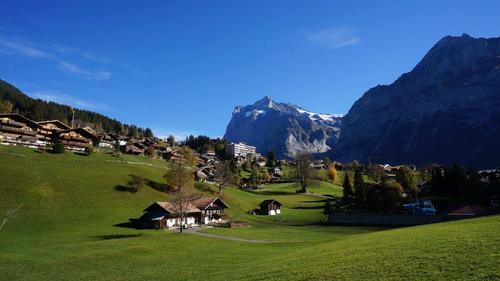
(61, 124)
(204, 202)
(167, 206)
(82, 132)
(469, 210)
(269, 202)
(19, 117)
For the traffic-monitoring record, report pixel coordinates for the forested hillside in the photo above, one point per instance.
(13, 100)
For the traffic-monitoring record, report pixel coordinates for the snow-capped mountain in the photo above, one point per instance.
(283, 128)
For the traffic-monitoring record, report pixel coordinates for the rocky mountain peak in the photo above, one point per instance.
(283, 128)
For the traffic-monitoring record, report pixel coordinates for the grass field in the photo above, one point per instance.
(71, 206)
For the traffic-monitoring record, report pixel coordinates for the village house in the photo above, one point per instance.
(161, 215)
(212, 209)
(16, 129)
(201, 211)
(77, 139)
(270, 207)
(135, 148)
(49, 129)
(107, 141)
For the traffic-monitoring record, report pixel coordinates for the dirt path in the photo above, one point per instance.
(226, 237)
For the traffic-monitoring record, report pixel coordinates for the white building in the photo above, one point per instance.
(240, 149)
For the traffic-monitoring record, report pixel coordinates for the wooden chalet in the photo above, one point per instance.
(135, 148)
(161, 215)
(77, 139)
(270, 207)
(107, 141)
(212, 209)
(48, 130)
(16, 129)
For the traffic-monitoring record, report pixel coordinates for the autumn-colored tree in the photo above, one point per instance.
(150, 151)
(332, 173)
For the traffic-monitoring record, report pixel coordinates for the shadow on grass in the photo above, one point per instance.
(117, 236)
(307, 207)
(81, 153)
(137, 182)
(315, 201)
(156, 185)
(132, 224)
(267, 192)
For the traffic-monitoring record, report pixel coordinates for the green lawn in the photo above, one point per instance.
(67, 229)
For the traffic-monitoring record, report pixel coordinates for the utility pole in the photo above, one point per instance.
(72, 118)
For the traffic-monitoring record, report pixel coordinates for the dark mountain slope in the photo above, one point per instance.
(446, 110)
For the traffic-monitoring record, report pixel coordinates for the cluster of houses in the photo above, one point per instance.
(16, 129)
(201, 211)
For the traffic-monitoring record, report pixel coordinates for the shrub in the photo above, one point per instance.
(135, 184)
(89, 150)
(58, 148)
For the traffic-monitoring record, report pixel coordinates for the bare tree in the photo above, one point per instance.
(304, 173)
(223, 175)
(180, 202)
(181, 173)
(9, 214)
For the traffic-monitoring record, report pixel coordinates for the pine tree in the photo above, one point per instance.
(347, 188)
(359, 188)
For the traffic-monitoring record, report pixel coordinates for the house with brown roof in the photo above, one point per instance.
(49, 129)
(77, 139)
(162, 215)
(135, 148)
(212, 209)
(270, 207)
(16, 129)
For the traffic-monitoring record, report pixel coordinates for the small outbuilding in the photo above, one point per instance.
(270, 207)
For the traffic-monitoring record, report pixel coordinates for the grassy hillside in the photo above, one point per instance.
(67, 229)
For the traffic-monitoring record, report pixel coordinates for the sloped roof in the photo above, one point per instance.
(167, 206)
(61, 124)
(82, 132)
(268, 202)
(20, 117)
(469, 210)
(202, 203)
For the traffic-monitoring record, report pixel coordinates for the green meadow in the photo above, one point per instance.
(72, 226)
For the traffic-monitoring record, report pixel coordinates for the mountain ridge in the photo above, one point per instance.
(282, 128)
(433, 114)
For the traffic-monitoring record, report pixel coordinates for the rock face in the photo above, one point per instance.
(446, 110)
(283, 128)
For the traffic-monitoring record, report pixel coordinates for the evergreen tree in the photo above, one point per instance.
(359, 188)
(328, 208)
(271, 159)
(347, 189)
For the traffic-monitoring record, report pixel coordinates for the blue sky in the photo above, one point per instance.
(180, 67)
